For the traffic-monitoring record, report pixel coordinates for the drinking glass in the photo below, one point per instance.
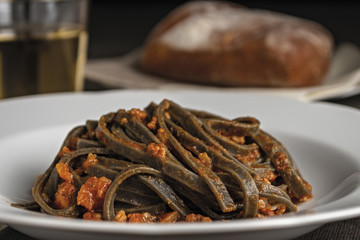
(43, 45)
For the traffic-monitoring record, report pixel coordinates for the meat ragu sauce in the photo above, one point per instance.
(167, 164)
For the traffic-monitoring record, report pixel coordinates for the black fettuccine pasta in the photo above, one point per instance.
(170, 163)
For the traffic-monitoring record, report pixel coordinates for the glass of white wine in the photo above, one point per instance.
(43, 45)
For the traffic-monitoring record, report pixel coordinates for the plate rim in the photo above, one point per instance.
(238, 226)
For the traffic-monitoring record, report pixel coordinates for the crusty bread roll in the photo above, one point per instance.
(225, 44)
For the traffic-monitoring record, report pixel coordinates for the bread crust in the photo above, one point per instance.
(224, 44)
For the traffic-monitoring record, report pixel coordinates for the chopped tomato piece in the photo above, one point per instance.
(192, 217)
(92, 193)
(64, 172)
(92, 216)
(138, 114)
(90, 160)
(152, 125)
(141, 217)
(64, 151)
(157, 150)
(63, 195)
(169, 217)
(120, 216)
(264, 207)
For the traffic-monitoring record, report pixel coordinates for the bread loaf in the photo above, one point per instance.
(225, 44)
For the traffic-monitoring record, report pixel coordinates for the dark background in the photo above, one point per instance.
(116, 27)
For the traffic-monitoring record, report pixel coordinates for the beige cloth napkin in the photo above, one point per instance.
(342, 80)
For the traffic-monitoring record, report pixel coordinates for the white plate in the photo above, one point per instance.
(323, 139)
